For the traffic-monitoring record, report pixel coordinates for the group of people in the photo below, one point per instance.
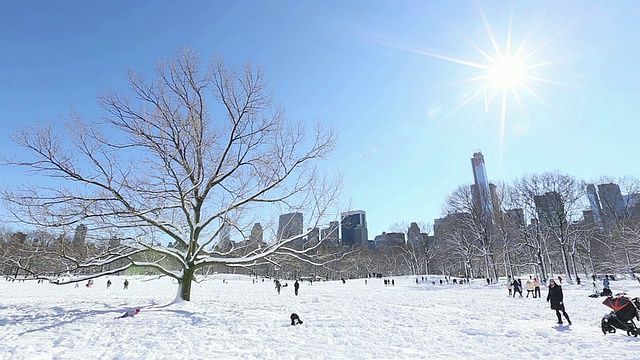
(555, 297)
(109, 283)
(532, 286)
(279, 286)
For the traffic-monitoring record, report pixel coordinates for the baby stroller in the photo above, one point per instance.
(624, 310)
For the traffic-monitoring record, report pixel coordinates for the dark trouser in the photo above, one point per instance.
(517, 291)
(531, 292)
(558, 311)
(536, 291)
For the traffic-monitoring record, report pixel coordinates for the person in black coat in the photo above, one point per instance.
(555, 297)
(517, 287)
(296, 286)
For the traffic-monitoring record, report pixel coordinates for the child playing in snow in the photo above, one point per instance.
(130, 313)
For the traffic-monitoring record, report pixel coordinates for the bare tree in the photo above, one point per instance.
(194, 152)
(477, 224)
(557, 199)
(620, 220)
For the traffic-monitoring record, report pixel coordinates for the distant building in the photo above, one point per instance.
(414, 236)
(312, 240)
(80, 234)
(550, 209)
(330, 234)
(515, 218)
(224, 238)
(19, 237)
(608, 205)
(594, 205)
(290, 225)
(354, 228)
(612, 202)
(389, 239)
(314, 235)
(588, 217)
(225, 232)
(481, 189)
(256, 235)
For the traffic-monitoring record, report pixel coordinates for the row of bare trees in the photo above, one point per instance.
(539, 226)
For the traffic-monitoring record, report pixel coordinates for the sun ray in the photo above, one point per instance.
(508, 45)
(496, 48)
(473, 79)
(535, 95)
(465, 102)
(516, 96)
(548, 40)
(503, 123)
(546, 81)
(542, 64)
(434, 55)
(486, 55)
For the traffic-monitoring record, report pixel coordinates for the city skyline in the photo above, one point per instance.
(406, 119)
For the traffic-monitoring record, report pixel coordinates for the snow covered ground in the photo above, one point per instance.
(242, 320)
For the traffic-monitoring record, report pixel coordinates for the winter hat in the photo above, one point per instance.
(137, 310)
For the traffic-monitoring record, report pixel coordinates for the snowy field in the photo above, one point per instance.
(242, 320)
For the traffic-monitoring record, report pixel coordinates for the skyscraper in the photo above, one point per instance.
(224, 237)
(290, 225)
(354, 228)
(612, 202)
(480, 190)
(80, 235)
(256, 235)
(330, 234)
(594, 204)
(550, 209)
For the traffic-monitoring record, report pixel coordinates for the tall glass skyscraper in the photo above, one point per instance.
(480, 189)
(354, 228)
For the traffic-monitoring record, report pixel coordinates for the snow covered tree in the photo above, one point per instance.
(197, 152)
(474, 223)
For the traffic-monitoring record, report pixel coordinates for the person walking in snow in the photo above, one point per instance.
(517, 288)
(530, 288)
(536, 290)
(510, 285)
(130, 313)
(278, 286)
(108, 284)
(126, 284)
(296, 286)
(556, 299)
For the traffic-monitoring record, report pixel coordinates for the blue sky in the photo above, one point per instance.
(362, 66)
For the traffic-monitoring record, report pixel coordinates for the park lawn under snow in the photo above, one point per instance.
(242, 320)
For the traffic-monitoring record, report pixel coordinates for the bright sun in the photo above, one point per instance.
(507, 73)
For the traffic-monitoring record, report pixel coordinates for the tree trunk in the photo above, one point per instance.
(565, 261)
(185, 285)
